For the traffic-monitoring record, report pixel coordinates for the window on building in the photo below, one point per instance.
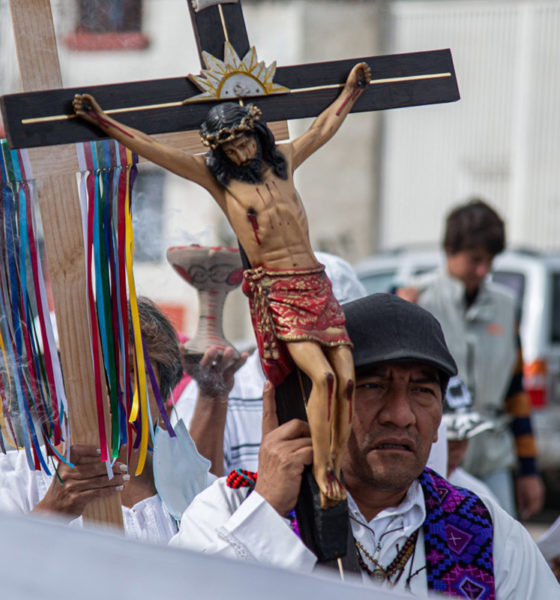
(105, 16)
(108, 25)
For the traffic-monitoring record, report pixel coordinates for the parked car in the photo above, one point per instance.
(535, 281)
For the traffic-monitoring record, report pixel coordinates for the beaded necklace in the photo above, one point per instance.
(397, 565)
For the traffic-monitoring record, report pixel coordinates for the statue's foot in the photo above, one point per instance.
(331, 489)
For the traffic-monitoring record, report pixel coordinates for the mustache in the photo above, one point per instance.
(250, 172)
(389, 437)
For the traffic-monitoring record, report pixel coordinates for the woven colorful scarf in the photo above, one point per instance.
(240, 478)
(458, 536)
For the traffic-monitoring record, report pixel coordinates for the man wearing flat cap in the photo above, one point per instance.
(412, 529)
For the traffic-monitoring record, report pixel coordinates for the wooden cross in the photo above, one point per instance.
(47, 118)
(157, 107)
(55, 177)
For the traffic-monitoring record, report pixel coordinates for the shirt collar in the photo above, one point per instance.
(409, 514)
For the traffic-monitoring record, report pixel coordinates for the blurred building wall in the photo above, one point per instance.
(501, 141)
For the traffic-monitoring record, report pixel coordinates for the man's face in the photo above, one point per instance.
(397, 413)
(470, 267)
(241, 150)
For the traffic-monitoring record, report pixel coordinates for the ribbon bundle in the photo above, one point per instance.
(107, 174)
(34, 409)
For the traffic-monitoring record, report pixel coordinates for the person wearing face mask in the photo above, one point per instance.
(479, 321)
(146, 515)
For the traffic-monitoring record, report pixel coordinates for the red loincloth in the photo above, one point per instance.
(291, 306)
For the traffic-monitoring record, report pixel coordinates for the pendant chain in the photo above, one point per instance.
(397, 565)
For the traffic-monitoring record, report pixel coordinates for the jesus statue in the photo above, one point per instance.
(295, 315)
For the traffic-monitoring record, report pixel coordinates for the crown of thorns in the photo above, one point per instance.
(227, 134)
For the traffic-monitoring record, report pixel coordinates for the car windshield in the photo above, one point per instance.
(382, 281)
(555, 330)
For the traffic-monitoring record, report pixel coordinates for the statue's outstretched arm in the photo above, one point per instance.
(179, 162)
(329, 121)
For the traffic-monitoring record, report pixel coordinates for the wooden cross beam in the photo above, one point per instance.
(157, 106)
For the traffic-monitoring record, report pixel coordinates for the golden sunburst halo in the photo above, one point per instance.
(235, 78)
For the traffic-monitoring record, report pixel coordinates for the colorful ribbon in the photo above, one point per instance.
(33, 414)
(108, 171)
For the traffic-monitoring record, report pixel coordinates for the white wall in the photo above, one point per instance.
(500, 141)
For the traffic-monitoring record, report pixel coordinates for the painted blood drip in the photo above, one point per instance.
(252, 216)
(350, 98)
(330, 383)
(349, 397)
(106, 123)
(331, 478)
(272, 200)
(261, 196)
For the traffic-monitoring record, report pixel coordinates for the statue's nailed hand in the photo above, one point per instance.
(359, 76)
(86, 107)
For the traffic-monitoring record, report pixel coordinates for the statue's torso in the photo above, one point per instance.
(270, 221)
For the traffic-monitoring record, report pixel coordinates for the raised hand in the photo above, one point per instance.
(285, 451)
(359, 76)
(86, 107)
(215, 371)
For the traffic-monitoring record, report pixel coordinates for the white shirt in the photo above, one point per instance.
(460, 478)
(220, 522)
(21, 489)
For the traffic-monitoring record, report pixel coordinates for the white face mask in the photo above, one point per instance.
(180, 472)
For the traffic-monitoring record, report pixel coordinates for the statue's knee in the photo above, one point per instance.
(326, 383)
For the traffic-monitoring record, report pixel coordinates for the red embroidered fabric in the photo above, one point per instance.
(291, 306)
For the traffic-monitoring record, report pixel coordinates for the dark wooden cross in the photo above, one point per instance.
(46, 118)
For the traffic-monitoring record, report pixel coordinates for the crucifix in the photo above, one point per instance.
(330, 90)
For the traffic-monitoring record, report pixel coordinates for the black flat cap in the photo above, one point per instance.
(386, 328)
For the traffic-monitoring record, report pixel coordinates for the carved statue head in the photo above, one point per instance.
(229, 121)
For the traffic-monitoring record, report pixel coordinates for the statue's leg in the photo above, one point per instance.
(310, 358)
(342, 362)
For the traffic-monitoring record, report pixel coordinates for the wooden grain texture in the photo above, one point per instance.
(60, 214)
(208, 29)
(16, 107)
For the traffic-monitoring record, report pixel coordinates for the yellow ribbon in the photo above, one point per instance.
(140, 398)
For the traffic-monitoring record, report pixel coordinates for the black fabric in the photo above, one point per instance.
(386, 328)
